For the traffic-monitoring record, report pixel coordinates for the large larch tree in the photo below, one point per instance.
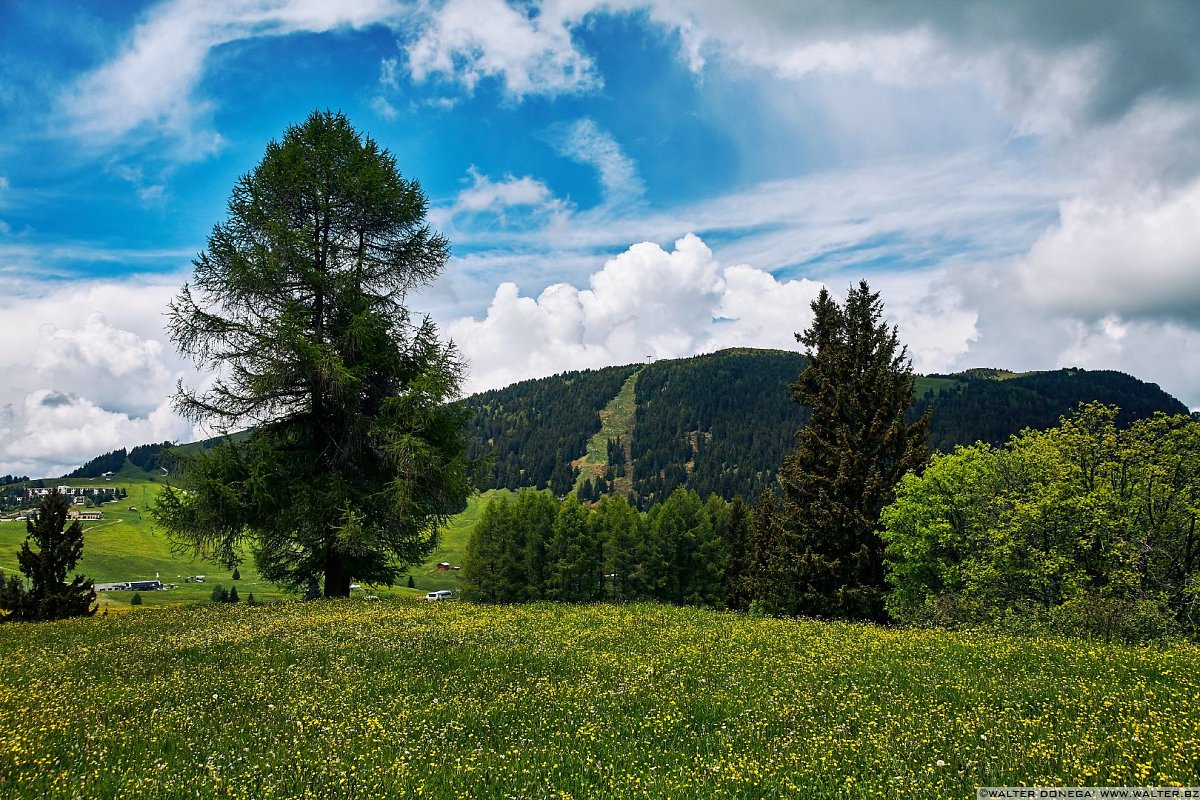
(353, 451)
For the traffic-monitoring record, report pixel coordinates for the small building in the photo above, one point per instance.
(443, 566)
(85, 515)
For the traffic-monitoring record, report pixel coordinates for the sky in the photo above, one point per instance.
(619, 180)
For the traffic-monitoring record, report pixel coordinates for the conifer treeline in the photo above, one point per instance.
(530, 546)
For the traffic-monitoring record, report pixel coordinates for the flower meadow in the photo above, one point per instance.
(352, 699)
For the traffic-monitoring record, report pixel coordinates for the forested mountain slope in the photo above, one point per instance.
(991, 405)
(532, 430)
(722, 422)
(714, 423)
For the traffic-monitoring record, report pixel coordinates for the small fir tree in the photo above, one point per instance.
(59, 548)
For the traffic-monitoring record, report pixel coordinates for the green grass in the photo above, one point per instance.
(927, 386)
(452, 547)
(405, 699)
(126, 545)
(616, 419)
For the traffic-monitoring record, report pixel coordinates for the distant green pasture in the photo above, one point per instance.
(127, 546)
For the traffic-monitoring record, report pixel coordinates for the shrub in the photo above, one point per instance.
(136, 600)
(1113, 620)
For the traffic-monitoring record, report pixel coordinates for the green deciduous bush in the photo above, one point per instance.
(1085, 529)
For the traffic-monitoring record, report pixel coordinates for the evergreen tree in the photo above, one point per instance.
(572, 557)
(481, 572)
(616, 526)
(536, 513)
(233, 595)
(737, 534)
(237, 576)
(59, 548)
(12, 597)
(818, 548)
(356, 453)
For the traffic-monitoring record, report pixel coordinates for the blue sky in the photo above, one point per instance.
(618, 180)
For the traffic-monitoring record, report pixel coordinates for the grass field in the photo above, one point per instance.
(356, 699)
(126, 545)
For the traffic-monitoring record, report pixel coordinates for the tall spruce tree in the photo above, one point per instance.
(356, 451)
(59, 548)
(816, 546)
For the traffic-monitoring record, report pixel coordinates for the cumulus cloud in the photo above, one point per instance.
(89, 370)
(1133, 257)
(529, 49)
(150, 84)
(56, 432)
(645, 302)
(117, 368)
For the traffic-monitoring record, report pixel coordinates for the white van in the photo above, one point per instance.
(442, 594)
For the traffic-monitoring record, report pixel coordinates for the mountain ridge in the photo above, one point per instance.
(719, 422)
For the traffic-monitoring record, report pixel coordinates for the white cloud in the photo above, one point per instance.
(389, 81)
(644, 302)
(530, 50)
(1134, 257)
(588, 144)
(57, 432)
(150, 84)
(384, 108)
(88, 370)
(485, 194)
(389, 73)
(116, 368)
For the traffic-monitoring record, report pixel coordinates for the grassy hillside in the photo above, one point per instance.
(126, 545)
(616, 422)
(452, 546)
(347, 699)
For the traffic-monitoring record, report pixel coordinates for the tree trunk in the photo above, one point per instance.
(337, 580)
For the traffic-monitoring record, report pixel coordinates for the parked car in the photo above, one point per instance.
(441, 594)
